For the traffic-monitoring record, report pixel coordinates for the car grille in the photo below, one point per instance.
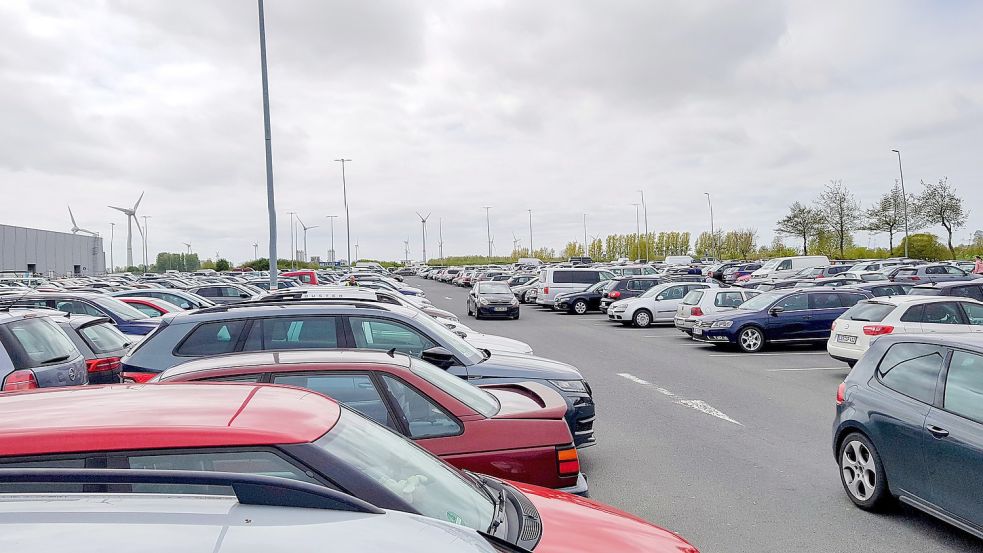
(532, 526)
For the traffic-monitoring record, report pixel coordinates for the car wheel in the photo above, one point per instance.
(525, 297)
(862, 473)
(580, 307)
(751, 340)
(642, 318)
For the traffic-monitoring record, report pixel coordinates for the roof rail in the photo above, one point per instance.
(249, 489)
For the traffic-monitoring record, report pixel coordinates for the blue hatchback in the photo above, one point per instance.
(792, 315)
(909, 425)
(126, 318)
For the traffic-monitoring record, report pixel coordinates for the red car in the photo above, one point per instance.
(511, 431)
(293, 433)
(304, 276)
(152, 307)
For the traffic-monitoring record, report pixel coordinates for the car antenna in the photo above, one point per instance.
(391, 353)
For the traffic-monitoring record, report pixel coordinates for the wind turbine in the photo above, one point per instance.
(306, 228)
(423, 220)
(75, 227)
(515, 243)
(131, 217)
(185, 260)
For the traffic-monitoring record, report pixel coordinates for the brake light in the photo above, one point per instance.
(841, 393)
(546, 289)
(696, 311)
(100, 365)
(138, 377)
(20, 380)
(834, 326)
(878, 330)
(614, 295)
(913, 277)
(567, 462)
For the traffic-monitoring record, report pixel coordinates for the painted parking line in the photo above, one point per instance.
(697, 404)
(446, 298)
(768, 354)
(843, 368)
(663, 336)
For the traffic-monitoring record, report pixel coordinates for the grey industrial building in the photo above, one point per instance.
(49, 253)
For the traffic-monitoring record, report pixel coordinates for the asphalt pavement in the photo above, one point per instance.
(732, 451)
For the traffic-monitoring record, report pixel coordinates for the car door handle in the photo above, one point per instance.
(937, 432)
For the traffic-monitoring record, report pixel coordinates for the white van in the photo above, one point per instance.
(678, 260)
(558, 280)
(782, 267)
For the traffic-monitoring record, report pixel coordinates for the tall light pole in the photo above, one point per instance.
(638, 231)
(255, 250)
(293, 239)
(332, 218)
(112, 236)
(270, 204)
(423, 221)
(348, 226)
(530, 233)
(713, 237)
(146, 231)
(904, 202)
(487, 209)
(585, 234)
(440, 237)
(645, 210)
(356, 254)
(406, 252)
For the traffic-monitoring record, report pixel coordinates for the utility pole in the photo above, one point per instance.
(333, 254)
(293, 240)
(904, 198)
(713, 237)
(423, 221)
(638, 232)
(488, 228)
(112, 237)
(268, 138)
(348, 226)
(146, 231)
(440, 237)
(350, 262)
(530, 233)
(645, 210)
(585, 234)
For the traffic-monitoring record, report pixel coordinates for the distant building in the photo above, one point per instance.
(49, 253)
(315, 259)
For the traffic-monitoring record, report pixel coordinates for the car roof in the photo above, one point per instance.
(949, 284)
(290, 357)
(898, 300)
(102, 418)
(245, 310)
(970, 341)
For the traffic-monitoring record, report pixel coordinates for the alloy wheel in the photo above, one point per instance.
(643, 319)
(580, 307)
(859, 470)
(751, 339)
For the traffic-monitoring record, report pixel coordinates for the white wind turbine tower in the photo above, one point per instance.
(306, 228)
(131, 217)
(75, 228)
(188, 244)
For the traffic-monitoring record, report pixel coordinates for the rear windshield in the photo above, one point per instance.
(120, 309)
(36, 342)
(868, 311)
(693, 297)
(916, 291)
(104, 338)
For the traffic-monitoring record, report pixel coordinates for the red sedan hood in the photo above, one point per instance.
(572, 523)
(527, 400)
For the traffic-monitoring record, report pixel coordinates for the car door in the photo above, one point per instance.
(954, 273)
(824, 308)
(667, 302)
(954, 440)
(790, 321)
(944, 318)
(974, 316)
(380, 334)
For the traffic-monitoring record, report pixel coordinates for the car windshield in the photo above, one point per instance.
(770, 264)
(472, 396)
(494, 287)
(868, 311)
(458, 346)
(120, 309)
(760, 302)
(600, 286)
(654, 291)
(432, 487)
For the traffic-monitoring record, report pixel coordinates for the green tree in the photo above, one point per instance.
(925, 246)
(222, 265)
(887, 215)
(741, 243)
(801, 222)
(939, 205)
(596, 249)
(840, 213)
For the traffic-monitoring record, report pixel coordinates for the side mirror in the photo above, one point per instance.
(438, 356)
(660, 297)
(461, 333)
(776, 311)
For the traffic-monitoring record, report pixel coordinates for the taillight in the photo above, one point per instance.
(101, 365)
(614, 295)
(20, 380)
(567, 462)
(546, 289)
(915, 277)
(137, 377)
(833, 327)
(878, 330)
(696, 311)
(841, 393)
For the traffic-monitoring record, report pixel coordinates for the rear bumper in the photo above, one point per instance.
(686, 325)
(580, 488)
(840, 353)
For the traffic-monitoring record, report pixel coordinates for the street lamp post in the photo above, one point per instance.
(270, 204)
(530, 233)
(488, 228)
(332, 218)
(713, 237)
(585, 234)
(348, 226)
(645, 210)
(638, 232)
(904, 202)
(112, 236)
(293, 238)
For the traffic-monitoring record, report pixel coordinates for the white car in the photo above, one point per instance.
(490, 342)
(783, 267)
(293, 516)
(708, 301)
(657, 305)
(854, 330)
(866, 276)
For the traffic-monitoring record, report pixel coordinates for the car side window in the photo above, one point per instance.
(795, 302)
(176, 300)
(849, 300)
(934, 270)
(424, 418)
(230, 292)
(955, 271)
(728, 299)
(210, 292)
(293, 333)
(824, 301)
(673, 293)
(146, 310)
(354, 390)
(913, 314)
(912, 370)
(964, 386)
(212, 339)
(945, 313)
(385, 335)
(784, 265)
(80, 308)
(242, 462)
(973, 312)
(972, 291)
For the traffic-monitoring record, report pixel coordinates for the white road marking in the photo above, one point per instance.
(768, 354)
(663, 336)
(697, 404)
(446, 298)
(843, 368)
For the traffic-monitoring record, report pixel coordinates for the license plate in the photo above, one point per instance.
(500, 308)
(844, 339)
(698, 331)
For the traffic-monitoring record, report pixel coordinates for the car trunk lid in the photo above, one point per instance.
(527, 400)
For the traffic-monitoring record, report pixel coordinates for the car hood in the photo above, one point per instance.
(527, 400)
(496, 343)
(572, 523)
(505, 297)
(515, 365)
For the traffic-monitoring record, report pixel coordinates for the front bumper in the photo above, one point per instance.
(580, 418)
(617, 315)
(713, 335)
(580, 488)
(493, 310)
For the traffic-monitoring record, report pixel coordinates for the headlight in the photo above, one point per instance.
(483, 301)
(722, 324)
(515, 301)
(578, 386)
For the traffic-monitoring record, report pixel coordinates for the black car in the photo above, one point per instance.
(909, 426)
(627, 287)
(717, 271)
(582, 302)
(972, 289)
(492, 299)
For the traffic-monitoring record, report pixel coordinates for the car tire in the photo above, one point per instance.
(642, 318)
(525, 297)
(750, 339)
(862, 473)
(579, 307)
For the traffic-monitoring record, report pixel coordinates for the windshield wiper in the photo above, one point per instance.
(55, 359)
(499, 516)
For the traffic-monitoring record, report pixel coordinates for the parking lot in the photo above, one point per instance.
(731, 450)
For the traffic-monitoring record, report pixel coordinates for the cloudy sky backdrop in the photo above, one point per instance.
(559, 106)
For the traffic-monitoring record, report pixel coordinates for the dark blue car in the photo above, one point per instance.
(909, 425)
(127, 319)
(793, 315)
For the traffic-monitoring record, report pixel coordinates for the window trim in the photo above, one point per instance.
(247, 323)
(944, 380)
(944, 370)
(406, 434)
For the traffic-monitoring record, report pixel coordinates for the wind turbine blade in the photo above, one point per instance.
(309, 228)
(136, 205)
(70, 214)
(137, 221)
(123, 209)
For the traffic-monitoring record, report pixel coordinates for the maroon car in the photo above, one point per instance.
(513, 431)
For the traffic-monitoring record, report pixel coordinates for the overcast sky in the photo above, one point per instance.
(563, 107)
